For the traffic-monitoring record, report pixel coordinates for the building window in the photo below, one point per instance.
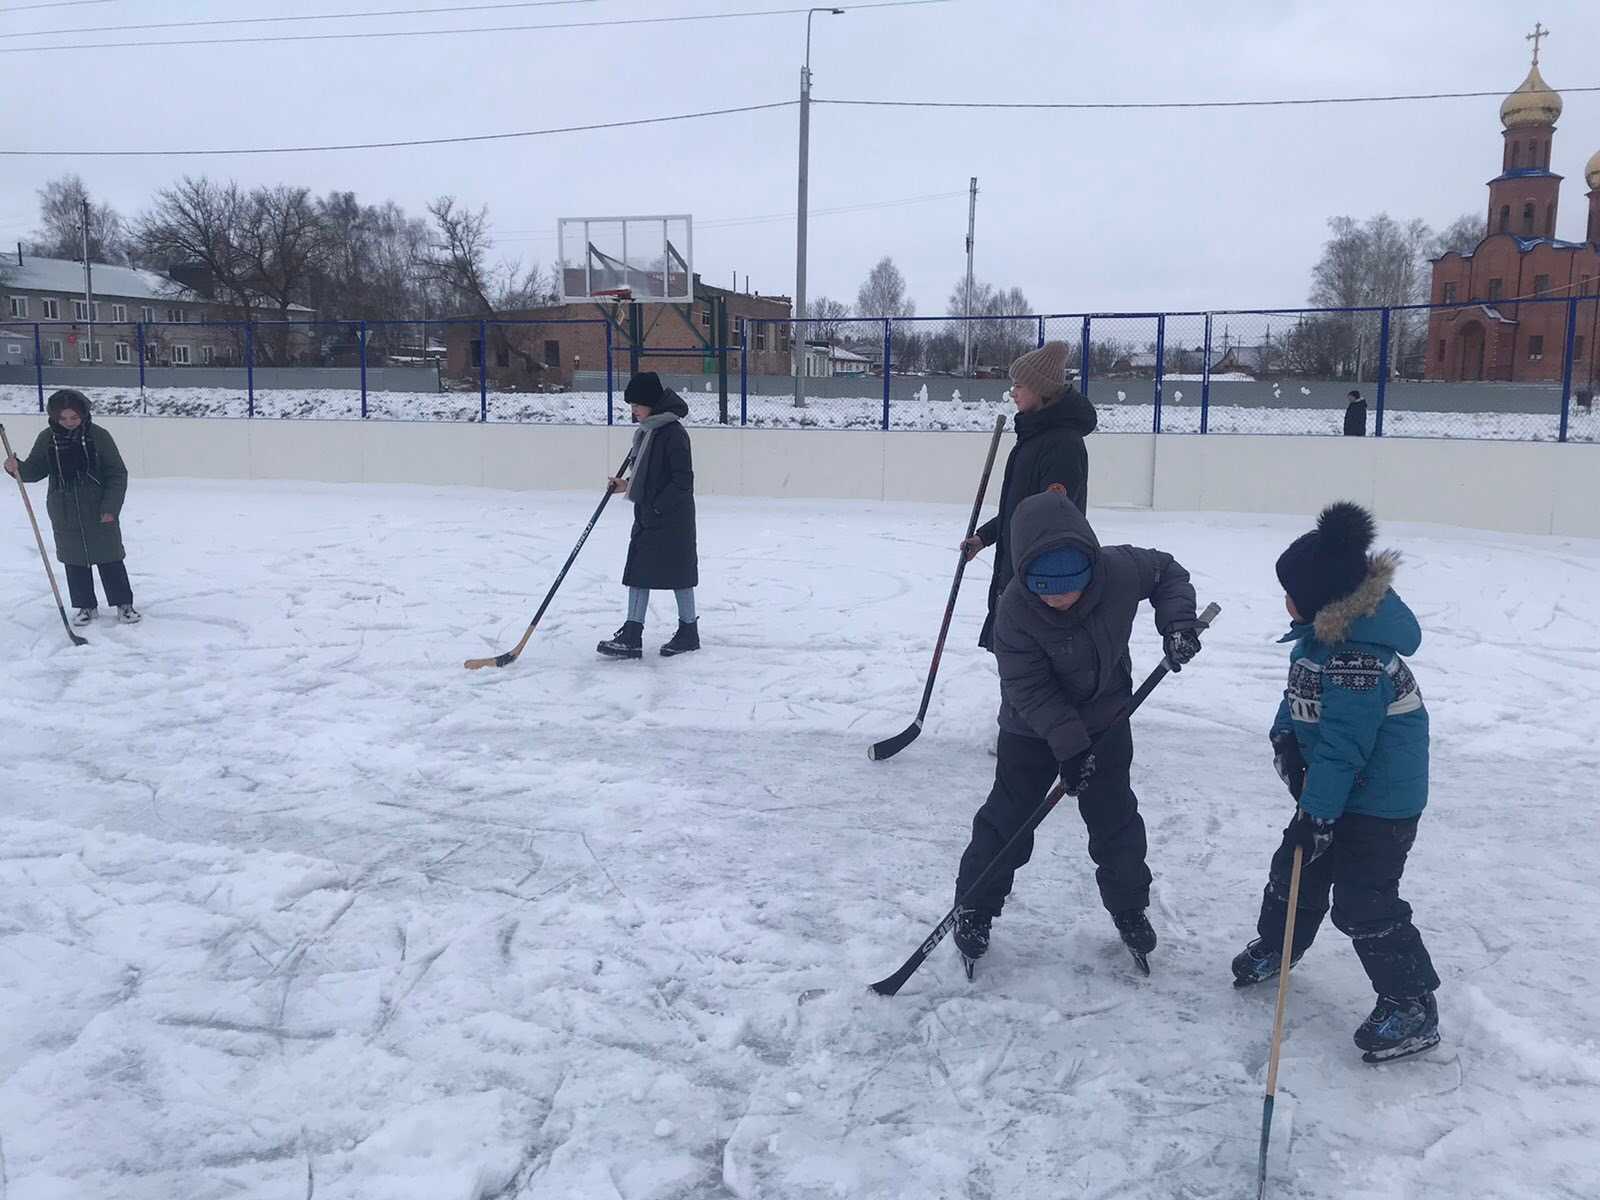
(1535, 348)
(208, 355)
(1505, 218)
(180, 355)
(1496, 289)
(552, 354)
(1516, 156)
(122, 353)
(1449, 293)
(761, 337)
(1541, 284)
(1441, 351)
(150, 353)
(147, 314)
(1550, 220)
(80, 310)
(738, 333)
(52, 350)
(52, 309)
(1528, 214)
(91, 352)
(705, 318)
(175, 316)
(783, 339)
(502, 357)
(19, 306)
(119, 313)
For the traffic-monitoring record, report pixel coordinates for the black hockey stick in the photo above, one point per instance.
(510, 656)
(889, 747)
(892, 985)
(5, 442)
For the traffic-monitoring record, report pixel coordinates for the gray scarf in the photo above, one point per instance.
(641, 452)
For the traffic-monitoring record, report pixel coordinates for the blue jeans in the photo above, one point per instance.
(639, 604)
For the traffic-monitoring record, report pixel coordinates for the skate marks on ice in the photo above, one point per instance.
(286, 899)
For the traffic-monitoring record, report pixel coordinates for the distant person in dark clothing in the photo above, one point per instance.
(1355, 415)
(1053, 418)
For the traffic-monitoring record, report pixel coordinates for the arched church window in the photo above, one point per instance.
(1516, 155)
(1505, 218)
(1529, 215)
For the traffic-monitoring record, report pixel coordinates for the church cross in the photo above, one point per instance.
(1539, 34)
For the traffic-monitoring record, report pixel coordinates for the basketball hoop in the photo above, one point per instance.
(616, 297)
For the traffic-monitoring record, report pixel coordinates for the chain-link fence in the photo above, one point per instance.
(1524, 369)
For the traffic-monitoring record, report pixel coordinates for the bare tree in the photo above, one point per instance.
(1000, 333)
(884, 293)
(60, 232)
(1462, 235)
(198, 222)
(827, 319)
(1377, 263)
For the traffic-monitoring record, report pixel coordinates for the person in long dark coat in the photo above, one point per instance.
(662, 555)
(1053, 418)
(1355, 415)
(88, 483)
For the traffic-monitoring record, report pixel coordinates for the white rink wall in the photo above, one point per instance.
(1513, 487)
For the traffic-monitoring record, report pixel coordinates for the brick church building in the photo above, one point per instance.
(1494, 332)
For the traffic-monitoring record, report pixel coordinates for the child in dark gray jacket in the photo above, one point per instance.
(1061, 642)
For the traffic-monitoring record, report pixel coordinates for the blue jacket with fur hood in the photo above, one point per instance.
(1354, 705)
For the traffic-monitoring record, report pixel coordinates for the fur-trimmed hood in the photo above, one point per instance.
(1373, 613)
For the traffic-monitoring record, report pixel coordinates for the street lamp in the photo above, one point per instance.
(798, 345)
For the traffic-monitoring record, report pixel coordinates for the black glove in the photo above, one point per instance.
(1290, 763)
(1312, 834)
(1077, 772)
(1180, 645)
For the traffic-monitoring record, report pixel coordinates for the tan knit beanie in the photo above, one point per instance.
(1043, 370)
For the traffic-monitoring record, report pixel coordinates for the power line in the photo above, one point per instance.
(57, 4)
(1154, 104)
(444, 141)
(437, 33)
(356, 16)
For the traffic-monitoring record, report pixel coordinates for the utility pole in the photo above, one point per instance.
(798, 344)
(88, 283)
(966, 326)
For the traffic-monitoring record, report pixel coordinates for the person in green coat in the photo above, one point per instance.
(88, 483)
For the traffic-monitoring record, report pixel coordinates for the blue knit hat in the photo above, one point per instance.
(1059, 571)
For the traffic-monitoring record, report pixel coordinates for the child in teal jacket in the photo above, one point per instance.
(1351, 742)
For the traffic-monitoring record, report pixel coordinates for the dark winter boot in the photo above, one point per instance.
(627, 642)
(1137, 935)
(686, 639)
(972, 936)
(1399, 1028)
(1256, 963)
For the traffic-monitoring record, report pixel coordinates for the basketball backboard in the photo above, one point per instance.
(652, 257)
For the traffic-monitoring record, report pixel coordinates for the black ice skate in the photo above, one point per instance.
(1257, 964)
(128, 614)
(1399, 1028)
(1137, 936)
(972, 937)
(685, 640)
(627, 642)
(85, 615)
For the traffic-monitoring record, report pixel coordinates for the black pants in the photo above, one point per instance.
(113, 577)
(1025, 773)
(1362, 869)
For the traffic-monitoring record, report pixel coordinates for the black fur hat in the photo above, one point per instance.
(1330, 562)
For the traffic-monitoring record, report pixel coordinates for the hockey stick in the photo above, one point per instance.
(39, 538)
(892, 985)
(889, 747)
(510, 656)
(1277, 1024)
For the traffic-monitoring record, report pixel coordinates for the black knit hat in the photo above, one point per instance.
(1330, 562)
(644, 388)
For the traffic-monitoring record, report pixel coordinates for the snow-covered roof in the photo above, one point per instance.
(110, 282)
(840, 354)
(121, 283)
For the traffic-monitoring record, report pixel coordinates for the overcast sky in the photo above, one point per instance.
(1103, 210)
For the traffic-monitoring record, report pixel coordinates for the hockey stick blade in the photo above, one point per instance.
(889, 747)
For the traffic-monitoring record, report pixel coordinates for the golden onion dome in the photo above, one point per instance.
(1591, 173)
(1534, 103)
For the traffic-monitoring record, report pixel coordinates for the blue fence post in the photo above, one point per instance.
(250, 368)
(1041, 331)
(1205, 380)
(1161, 354)
(1083, 364)
(38, 364)
(483, 371)
(744, 382)
(611, 382)
(364, 366)
(888, 367)
(1383, 372)
(1566, 368)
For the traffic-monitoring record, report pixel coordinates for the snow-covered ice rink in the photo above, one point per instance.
(293, 906)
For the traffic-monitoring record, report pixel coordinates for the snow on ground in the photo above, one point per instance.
(1119, 413)
(291, 905)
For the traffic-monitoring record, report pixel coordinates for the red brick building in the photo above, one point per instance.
(1501, 334)
(537, 349)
